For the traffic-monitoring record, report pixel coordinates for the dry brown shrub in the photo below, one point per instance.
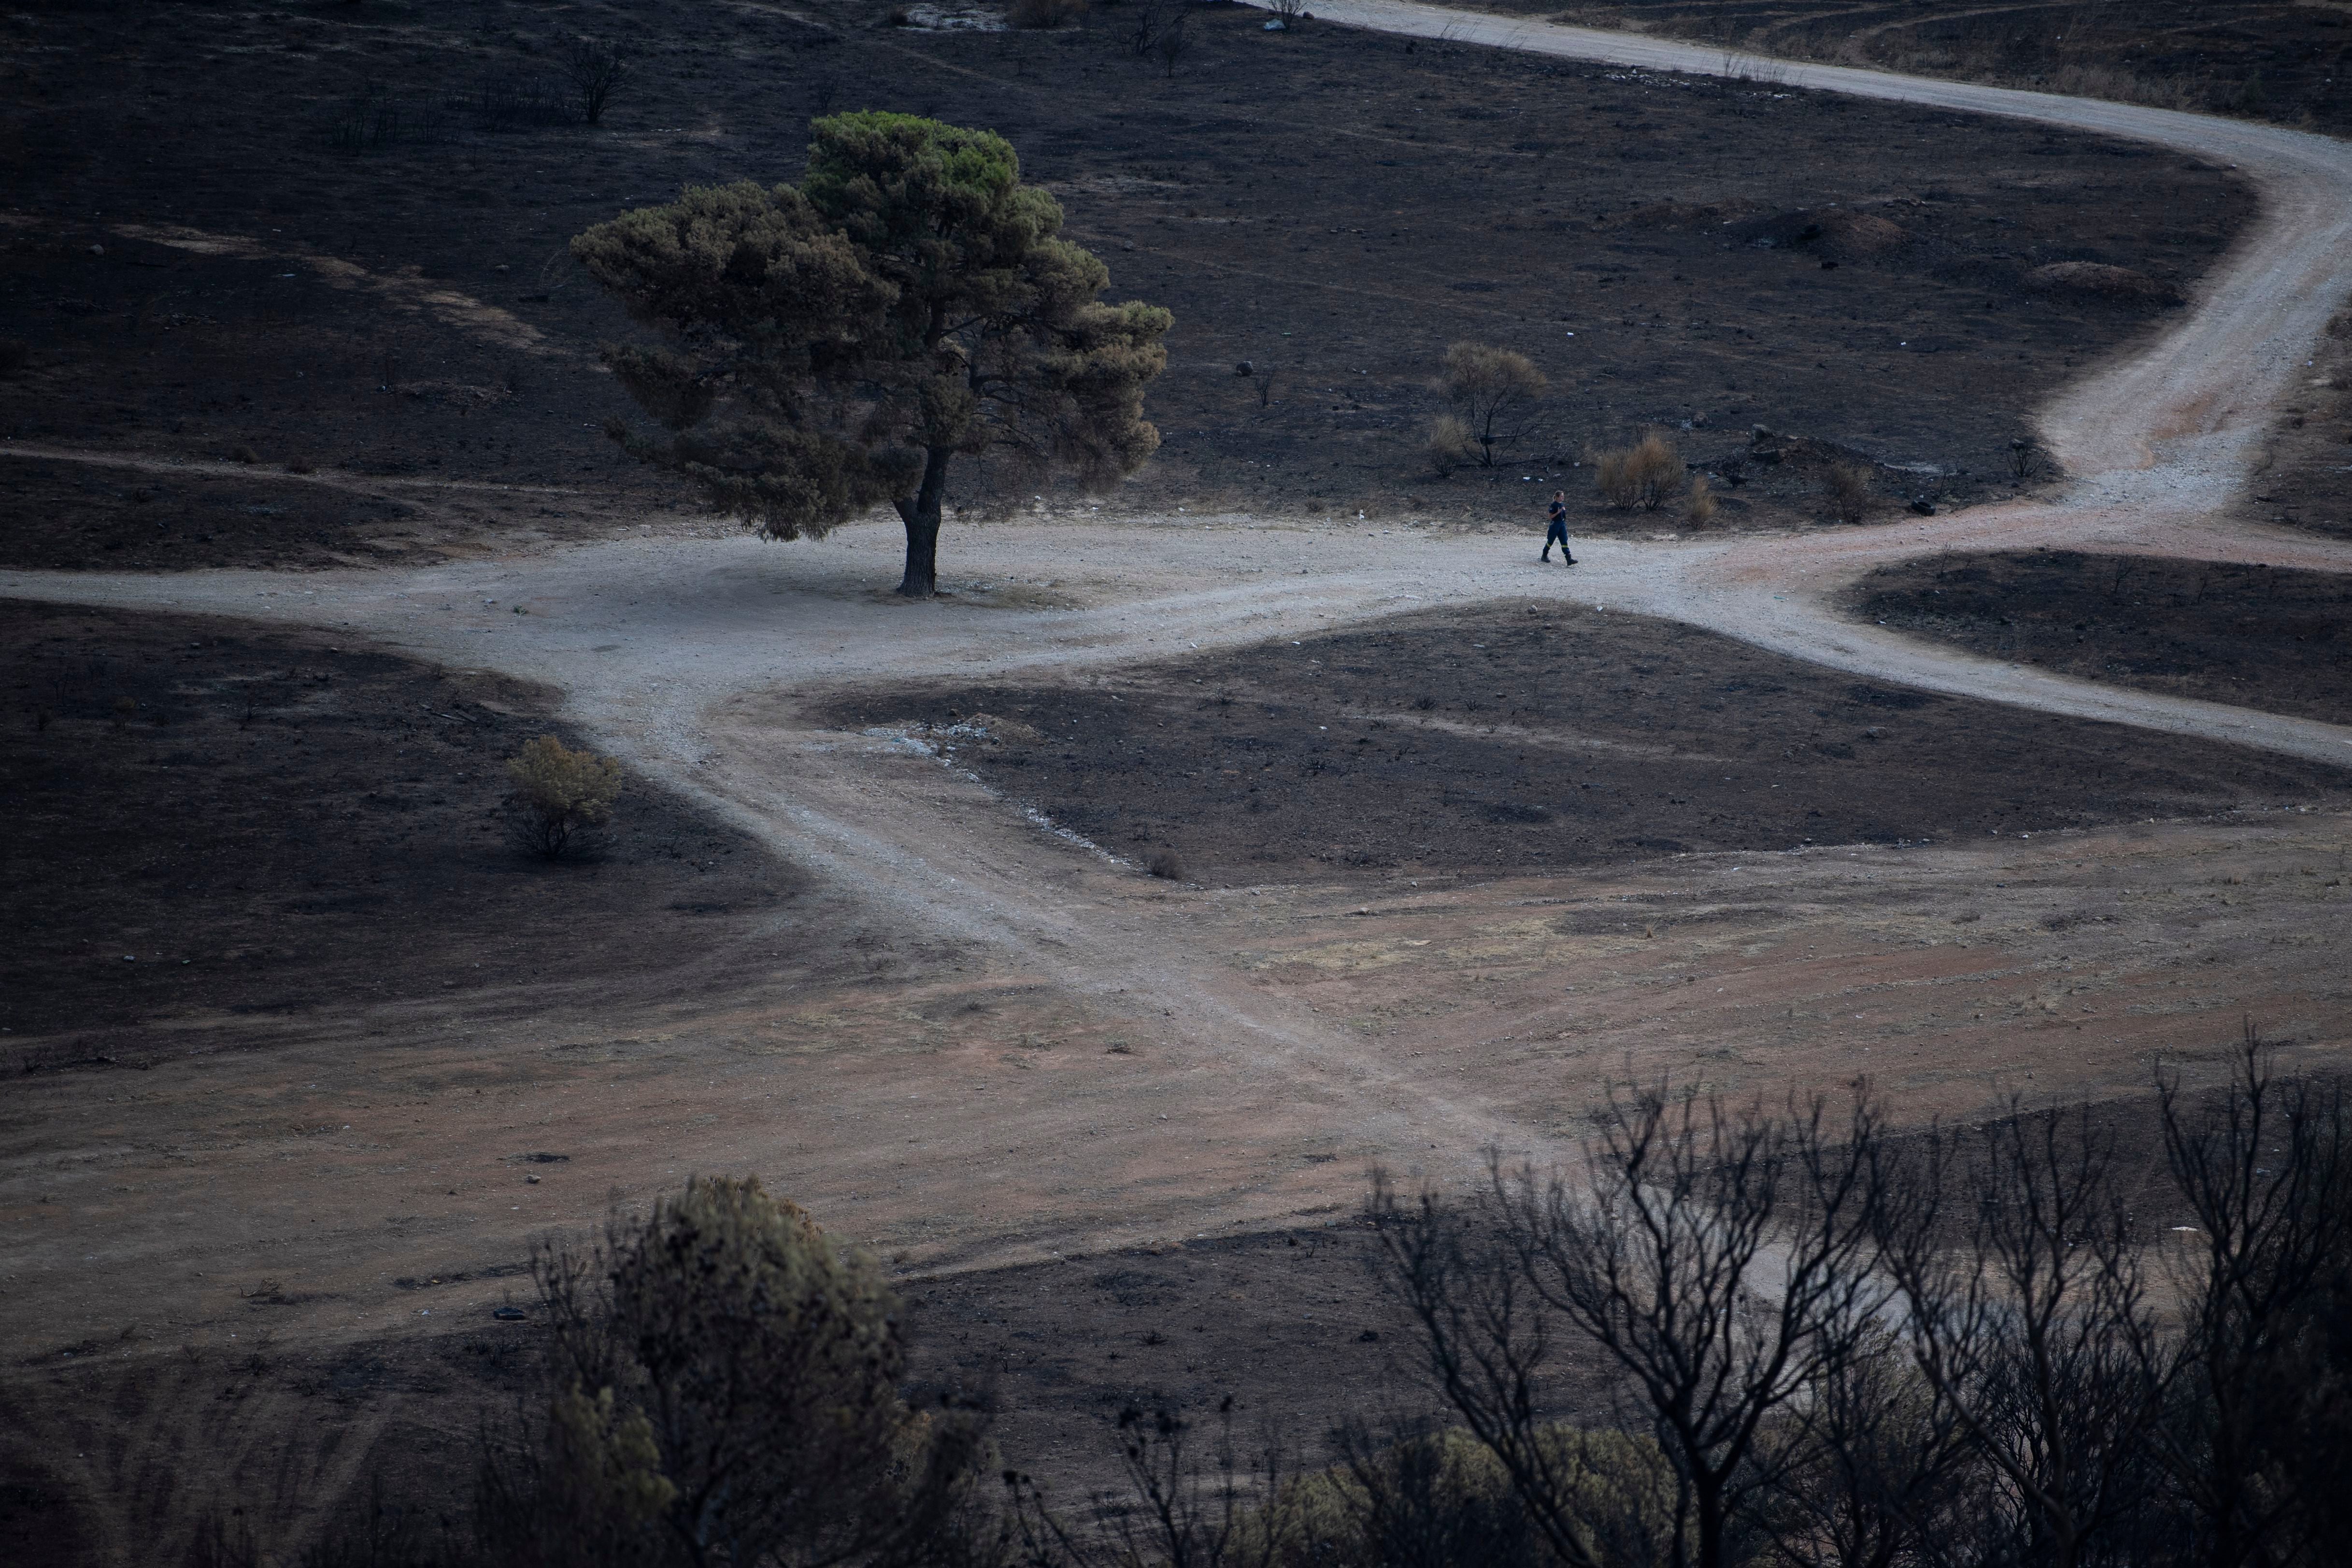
(1701, 507)
(1644, 474)
(1045, 13)
(1495, 391)
(1847, 489)
(1449, 444)
(560, 793)
(1165, 865)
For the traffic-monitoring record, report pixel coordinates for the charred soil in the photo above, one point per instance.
(2256, 637)
(331, 239)
(229, 821)
(1547, 735)
(2278, 60)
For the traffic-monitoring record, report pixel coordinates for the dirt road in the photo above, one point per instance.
(1248, 1099)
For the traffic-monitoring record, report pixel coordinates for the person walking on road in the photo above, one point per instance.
(1559, 529)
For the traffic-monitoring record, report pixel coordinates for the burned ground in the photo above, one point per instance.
(2299, 483)
(1294, 1326)
(210, 821)
(1541, 736)
(2280, 60)
(2257, 637)
(238, 274)
(321, 250)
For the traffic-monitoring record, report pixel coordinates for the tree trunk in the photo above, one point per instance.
(921, 514)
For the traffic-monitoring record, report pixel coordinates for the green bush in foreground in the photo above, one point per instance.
(727, 1390)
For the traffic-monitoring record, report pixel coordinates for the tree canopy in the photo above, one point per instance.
(837, 343)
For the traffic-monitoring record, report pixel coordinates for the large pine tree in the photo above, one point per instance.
(837, 343)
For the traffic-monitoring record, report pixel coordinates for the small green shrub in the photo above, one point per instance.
(560, 793)
(722, 1371)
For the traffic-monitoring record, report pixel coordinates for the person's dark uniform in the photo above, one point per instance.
(1559, 529)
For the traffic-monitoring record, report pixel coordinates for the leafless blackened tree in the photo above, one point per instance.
(1718, 1257)
(2024, 1307)
(597, 67)
(1151, 16)
(1880, 1470)
(2266, 1172)
(1170, 45)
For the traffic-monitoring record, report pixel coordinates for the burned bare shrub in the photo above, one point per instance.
(1846, 489)
(596, 67)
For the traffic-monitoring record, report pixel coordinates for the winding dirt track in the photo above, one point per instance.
(689, 658)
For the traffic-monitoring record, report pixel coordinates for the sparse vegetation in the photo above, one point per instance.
(1960, 1353)
(1494, 392)
(1701, 506)
(514, 97)
(1449, 444)
(1645, 474)
(1846, 489)
(596, 67)
(1571, 734)
(561, 794)
(1836, 1343)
